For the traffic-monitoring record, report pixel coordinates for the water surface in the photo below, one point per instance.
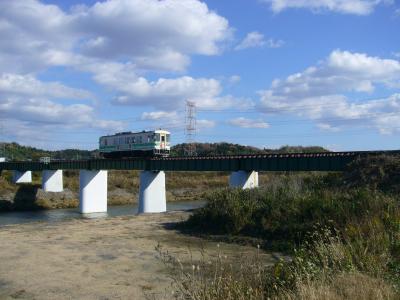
(54, 215)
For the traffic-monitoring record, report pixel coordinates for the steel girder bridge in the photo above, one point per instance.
(325, 161)
(152, 194)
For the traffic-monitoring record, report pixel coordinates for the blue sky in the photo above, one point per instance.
(265, 73)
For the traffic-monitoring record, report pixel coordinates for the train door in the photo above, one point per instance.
(162, 146)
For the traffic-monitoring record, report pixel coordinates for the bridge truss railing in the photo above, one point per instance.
(329, 161)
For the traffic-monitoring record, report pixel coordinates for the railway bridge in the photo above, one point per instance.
(152, 195)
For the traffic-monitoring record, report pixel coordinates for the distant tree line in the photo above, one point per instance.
(14, 151)
(207, 149)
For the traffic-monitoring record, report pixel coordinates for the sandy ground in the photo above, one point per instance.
(107, 258)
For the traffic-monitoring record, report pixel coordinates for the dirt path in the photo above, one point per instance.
(110, 258)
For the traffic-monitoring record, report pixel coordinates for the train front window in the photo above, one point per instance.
(157, 137)
(168, 138)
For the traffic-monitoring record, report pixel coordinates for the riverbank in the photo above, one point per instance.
(107, 258)
(123, 188)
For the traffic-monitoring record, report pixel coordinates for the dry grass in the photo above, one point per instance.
(326, 268)
(355, 286)
(216, 277)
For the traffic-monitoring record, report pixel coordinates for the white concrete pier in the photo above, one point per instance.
(52, 180)
(152, 197)
(92, 191)
(244, 179)
(22, 176)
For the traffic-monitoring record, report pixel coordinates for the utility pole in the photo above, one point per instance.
(190, 129)
(3, 142)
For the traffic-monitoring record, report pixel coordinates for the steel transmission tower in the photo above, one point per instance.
(3, 142)
(190, 129)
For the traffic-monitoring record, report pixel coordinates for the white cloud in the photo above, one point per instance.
(159, 115)
(31, 29)
(116, 41)
(255, 39)
(320, 91)
(169, 93)
(152, 34)
(271, 43)
(204, 124)
(148, 27)
(234, 79)
(45, 112)
(163, 93)
(248, 123)
(357, 7)
(28, 85)
(29, 106)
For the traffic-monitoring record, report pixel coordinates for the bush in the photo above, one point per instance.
(376, 172)
(333, 232)
(284, 215)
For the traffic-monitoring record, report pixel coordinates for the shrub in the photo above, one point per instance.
(286, 214)
(377, 172)
(333, 233)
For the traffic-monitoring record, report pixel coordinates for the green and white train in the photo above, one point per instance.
(135, 144)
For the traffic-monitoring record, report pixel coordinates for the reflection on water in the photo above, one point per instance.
(54, 215)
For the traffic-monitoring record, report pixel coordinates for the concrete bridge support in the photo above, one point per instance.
(22, 176)
(244, 179)
(92, 191)
(152, 197)
(52, 180)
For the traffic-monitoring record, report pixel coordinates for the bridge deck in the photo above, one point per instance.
(328, 161)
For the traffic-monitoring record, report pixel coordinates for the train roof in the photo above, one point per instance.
(131, 132)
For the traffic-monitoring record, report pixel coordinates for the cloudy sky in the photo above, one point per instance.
(261, 72)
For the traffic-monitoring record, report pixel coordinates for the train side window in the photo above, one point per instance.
(133, 140)
(157, 137)
(148, 138)
(105, 142)
(115, 141)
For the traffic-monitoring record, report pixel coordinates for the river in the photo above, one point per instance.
(55, 215)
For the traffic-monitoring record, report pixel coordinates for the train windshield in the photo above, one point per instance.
(167, 138)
